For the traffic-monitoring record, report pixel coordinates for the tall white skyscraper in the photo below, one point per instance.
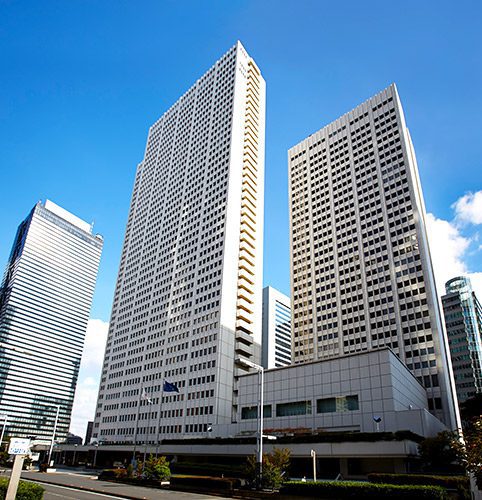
(45, 302)
(361, 269)
(276, 345)
(189, 291)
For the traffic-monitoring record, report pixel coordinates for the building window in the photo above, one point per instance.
(338, 404)
(290, 409)
(251, 412)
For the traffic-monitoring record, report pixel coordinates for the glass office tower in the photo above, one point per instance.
(45, 301)
(276, 345)
(463, 319)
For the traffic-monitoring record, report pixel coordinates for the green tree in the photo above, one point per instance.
(471, 408)
(437, 453)
(275, 468)
(469, 450)
(130, 471)
(157, 468)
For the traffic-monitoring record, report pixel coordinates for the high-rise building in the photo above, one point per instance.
(463, 320)
(88, 432)
(188, 297)
(45, 302)
(276, 345)
(361, 269)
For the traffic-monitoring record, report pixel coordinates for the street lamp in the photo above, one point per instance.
(54, 431)
(75, 453)
(259, 437)
(377, 419)
(3, 429)
(95, 455)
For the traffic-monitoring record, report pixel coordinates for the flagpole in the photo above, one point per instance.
(137, 425)
(159, 421)
(149, 402)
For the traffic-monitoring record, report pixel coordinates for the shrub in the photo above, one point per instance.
(120, 474)
(26, 491)
(275, 467)
(352, 489)
(157, 468)
(211, 483)
(459, 483)
(204, 469)
(107, 475)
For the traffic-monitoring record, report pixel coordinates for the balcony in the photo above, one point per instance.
(244, 326)
(245, 285)
(243, 349)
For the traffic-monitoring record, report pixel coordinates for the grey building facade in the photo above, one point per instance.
(45, 301)
(362, 275)
(463, 320)
(338, 395)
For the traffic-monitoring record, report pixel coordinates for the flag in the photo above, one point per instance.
(145, 397)
(168, 387)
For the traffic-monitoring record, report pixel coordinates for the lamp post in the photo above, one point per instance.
(377, 419)
(3, 429)
(95, 455)
(75, 453)
(54, 431)
(259, 436)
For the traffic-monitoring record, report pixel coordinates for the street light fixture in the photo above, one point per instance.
(3, 428)
(54, 431)
(259, 436)
(95, 455)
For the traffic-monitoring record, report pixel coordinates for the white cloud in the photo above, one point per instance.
(468, 208)
(89, 376)
(449, 248)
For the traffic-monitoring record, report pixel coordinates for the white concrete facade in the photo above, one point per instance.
(188, 297)
(276, 345)
(362, 276)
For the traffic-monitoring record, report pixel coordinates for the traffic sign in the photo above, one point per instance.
(19, 446)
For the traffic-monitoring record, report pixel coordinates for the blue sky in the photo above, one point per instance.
(81, 82)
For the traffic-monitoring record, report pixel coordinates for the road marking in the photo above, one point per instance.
(73, 489)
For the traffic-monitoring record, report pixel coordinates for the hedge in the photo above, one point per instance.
(321, 437)
(26, 491)
(208, 469)
(108, 474)
(353, 489)
(211, 483)
(459, 483)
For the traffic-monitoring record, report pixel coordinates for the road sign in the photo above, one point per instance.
(19, 446)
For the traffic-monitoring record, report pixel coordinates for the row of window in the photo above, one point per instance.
(337, 404)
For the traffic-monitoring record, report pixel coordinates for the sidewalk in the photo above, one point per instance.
(92, 484)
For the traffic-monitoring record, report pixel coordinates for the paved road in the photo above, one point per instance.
(57, 492)
(64, 485)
